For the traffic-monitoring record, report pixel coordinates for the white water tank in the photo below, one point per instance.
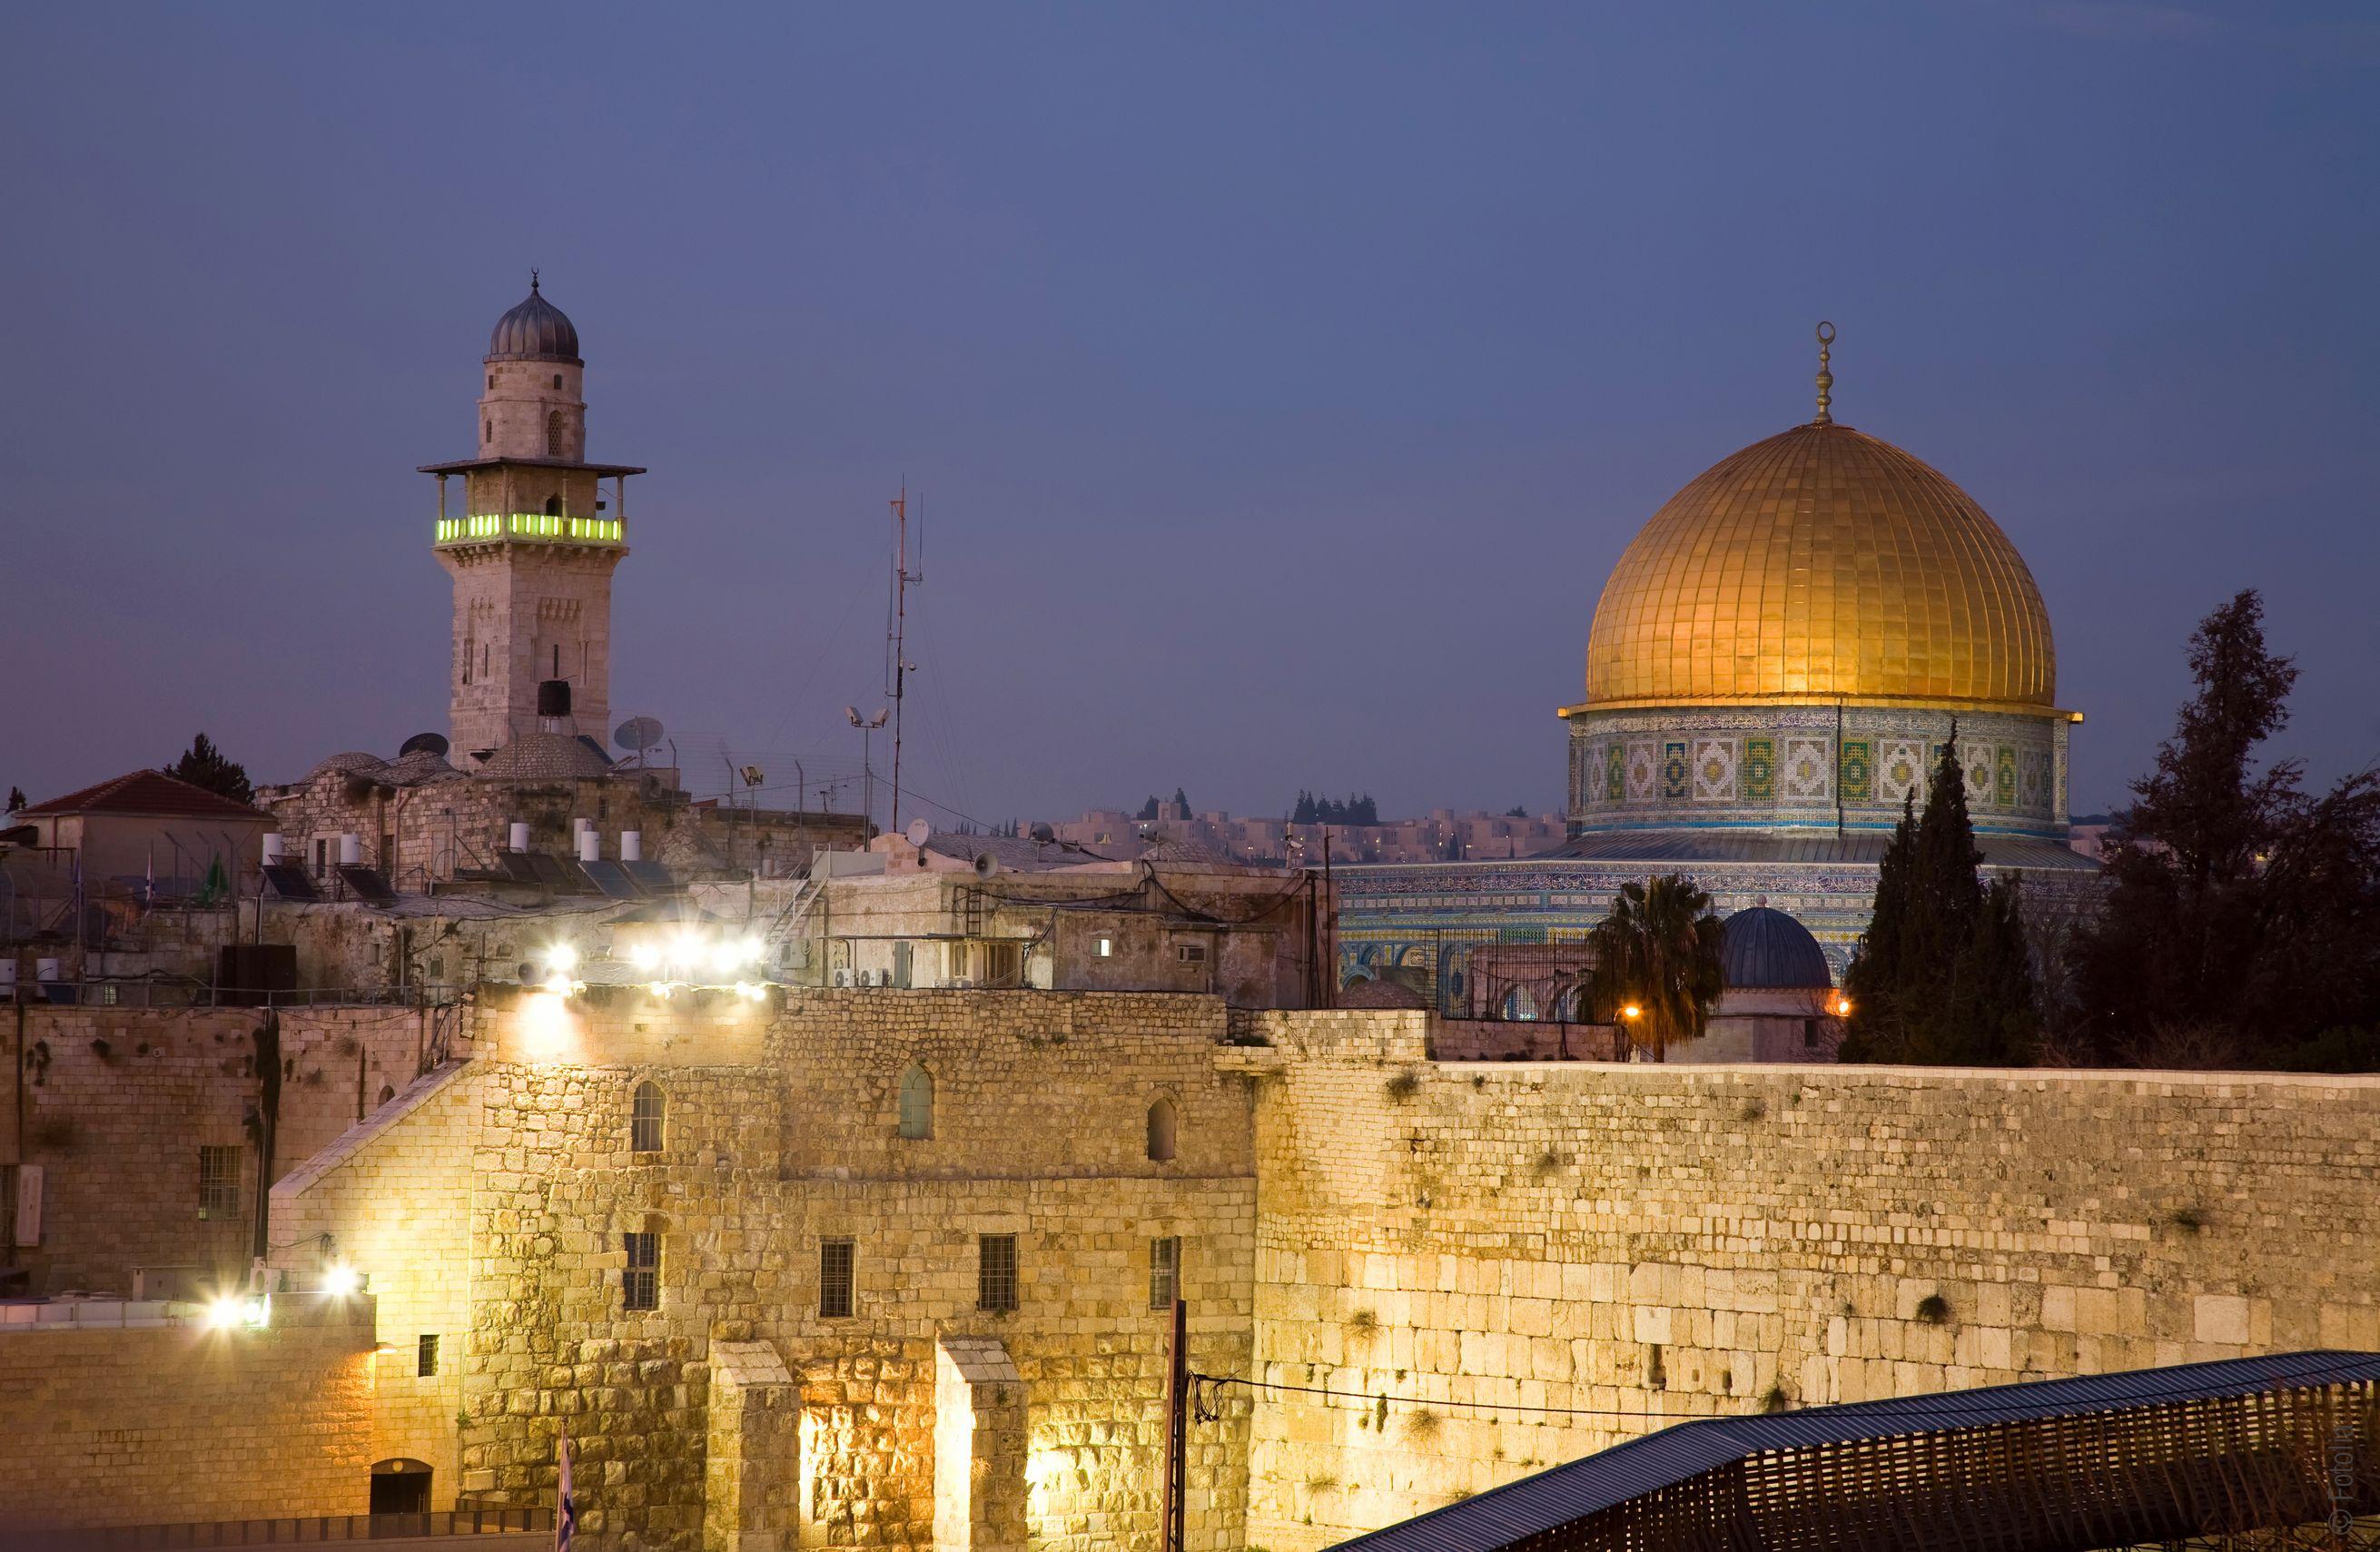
(351, 850)
(632, 845)
(273, 847)
(590, 845)
(46, 969)
(7, 976)
(520, 835)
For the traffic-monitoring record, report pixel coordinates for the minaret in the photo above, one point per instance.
(532, 545)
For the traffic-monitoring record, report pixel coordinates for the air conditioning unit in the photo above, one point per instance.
(843, 978)
(186, 1284)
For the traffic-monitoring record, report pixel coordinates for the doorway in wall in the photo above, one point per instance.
(400, 1487)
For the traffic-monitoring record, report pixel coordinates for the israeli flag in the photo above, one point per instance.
(565, 1509)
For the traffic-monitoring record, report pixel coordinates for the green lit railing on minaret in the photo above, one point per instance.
(489, 528)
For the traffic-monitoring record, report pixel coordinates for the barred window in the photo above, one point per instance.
(219, 1179)
(995, 1275)
(1164, 1271)
(645, 1118)
(554, 435)
(834, 1278)
(425, 1358)
(640, 1285)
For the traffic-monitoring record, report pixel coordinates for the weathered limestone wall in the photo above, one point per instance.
(174, 1423)
(116, 1103)
(1649, 1240)
(499, 1195)
(394, 1198)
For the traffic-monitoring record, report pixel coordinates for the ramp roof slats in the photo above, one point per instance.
(1866, 1440)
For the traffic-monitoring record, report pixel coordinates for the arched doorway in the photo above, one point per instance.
(400, 1486)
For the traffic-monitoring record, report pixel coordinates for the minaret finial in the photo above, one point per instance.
(532, 282)
(1825, 378)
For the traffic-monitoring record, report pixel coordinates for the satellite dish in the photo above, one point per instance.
(918, 831)
(638, 734)
(424, 743)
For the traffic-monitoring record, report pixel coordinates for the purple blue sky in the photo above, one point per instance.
(1281, 380)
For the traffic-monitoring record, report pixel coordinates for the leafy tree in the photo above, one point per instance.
(16, 799)
(203, 765)
(2242, 914)
(1148, 809)
(1517, 811)
(1944, 974)
(1659, 950)
(1181, 800)
(1303, 813)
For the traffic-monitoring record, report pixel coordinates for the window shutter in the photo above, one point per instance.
(29, 1204)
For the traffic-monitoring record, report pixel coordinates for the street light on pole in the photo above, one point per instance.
(868, 726)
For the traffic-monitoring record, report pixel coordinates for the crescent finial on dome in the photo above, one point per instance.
(1825, 378)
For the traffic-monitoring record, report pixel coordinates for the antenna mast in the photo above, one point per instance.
(898, 666)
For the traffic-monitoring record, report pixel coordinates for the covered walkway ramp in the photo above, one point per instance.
(2262, 1452)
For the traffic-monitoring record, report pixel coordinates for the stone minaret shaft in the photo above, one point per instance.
(532, 542)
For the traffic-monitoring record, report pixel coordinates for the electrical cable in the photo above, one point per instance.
(1942, 1404)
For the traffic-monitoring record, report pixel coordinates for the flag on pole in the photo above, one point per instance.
(565, 1509)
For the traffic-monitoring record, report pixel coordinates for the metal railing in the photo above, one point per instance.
(316, 1530)
(134, 992)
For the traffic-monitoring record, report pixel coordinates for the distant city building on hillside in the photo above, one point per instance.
(1442, 835)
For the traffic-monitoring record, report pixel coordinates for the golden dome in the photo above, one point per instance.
(1820, 565)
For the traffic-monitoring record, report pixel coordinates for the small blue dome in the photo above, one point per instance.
(1767, 948)
(535, 331)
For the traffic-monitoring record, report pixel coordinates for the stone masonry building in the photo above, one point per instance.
(887, 1268)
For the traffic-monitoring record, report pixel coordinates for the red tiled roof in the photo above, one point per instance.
(151, 792)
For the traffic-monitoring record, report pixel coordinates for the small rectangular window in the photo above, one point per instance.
(219, 1181)
(1106, 948)
(1164, 1271)
(834, 1278)
(640, 1285)
(1190, 953)
(425, 1358)
(995, 1277)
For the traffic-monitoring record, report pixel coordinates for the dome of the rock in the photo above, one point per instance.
(1821, 563)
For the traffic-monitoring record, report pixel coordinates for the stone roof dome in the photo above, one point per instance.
(535, 331)
(1767, 948)
(541, 756)
(355, 762)
(1821, 564)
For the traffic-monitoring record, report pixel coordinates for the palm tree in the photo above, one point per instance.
(1657, 953)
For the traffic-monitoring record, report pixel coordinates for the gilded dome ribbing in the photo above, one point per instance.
(1821, 563)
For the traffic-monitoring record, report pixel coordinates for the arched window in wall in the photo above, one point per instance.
(554, 433)
(647, 1117)
(553, 506)
(1160, 1129)
(916, 1102)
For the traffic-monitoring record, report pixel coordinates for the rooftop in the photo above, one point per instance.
(150, 793)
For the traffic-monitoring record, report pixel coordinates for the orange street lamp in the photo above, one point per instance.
(1843, 1005)
(1631, 1013)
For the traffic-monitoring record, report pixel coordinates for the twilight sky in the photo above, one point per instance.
(1280, 381)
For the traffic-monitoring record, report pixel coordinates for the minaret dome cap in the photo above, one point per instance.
(535, 331)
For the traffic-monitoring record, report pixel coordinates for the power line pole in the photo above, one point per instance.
(1177, 1423)
(897, 671)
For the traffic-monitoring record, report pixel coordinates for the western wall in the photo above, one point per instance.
(1446, 1275)
(1638, 1244)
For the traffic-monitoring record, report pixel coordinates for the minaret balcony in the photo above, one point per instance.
(529, 528)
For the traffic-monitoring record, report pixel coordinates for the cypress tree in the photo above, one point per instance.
(1943, 975)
